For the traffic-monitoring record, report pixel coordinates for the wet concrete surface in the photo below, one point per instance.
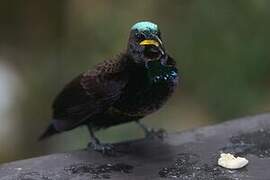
(190, 155)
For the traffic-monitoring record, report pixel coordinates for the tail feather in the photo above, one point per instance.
(48, 133)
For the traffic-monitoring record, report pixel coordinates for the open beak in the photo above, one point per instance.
(154, 42)
(157, 43)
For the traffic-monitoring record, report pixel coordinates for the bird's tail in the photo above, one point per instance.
(49, 132)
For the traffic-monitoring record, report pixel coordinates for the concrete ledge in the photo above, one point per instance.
(187, 155)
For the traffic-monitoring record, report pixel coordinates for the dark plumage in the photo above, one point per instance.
(127, 88)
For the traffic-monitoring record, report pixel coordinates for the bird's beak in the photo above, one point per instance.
(149, 42)
(157, 43)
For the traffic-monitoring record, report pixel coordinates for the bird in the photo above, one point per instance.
(123, 89)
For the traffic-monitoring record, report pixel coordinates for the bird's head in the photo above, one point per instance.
(145, 43)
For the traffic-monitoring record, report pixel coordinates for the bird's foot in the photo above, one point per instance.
(155, 133)
(106, 149)
(152, 133)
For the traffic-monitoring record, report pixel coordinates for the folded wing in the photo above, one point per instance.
(89, 94)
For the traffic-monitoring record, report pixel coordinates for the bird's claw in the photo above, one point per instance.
(153, 133)
(106, 149)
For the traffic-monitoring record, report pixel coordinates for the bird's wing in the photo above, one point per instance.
(89, 94)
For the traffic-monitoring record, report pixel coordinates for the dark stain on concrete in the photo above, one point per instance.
(256, 143)
(184, 164)
(98, 171)
(32, 176)
(188, 167)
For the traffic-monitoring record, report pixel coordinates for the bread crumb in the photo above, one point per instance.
(228, 161)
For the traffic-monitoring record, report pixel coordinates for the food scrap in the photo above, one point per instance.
(228, 161)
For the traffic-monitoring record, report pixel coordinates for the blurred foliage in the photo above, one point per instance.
(222, 50)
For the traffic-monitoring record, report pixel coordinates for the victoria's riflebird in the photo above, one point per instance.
(123, 89)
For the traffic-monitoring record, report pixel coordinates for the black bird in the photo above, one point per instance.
(120, 90)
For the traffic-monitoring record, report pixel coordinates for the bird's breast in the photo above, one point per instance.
(147, 94)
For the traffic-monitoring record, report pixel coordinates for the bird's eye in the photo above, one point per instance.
(140, 37)
(159, 34)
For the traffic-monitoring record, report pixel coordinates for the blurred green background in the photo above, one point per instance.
(221, 47)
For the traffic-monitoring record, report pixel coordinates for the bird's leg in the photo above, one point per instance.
(94, 139)
(97, 145)
(150, 132)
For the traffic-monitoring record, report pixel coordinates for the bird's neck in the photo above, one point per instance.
(159, 73)
(155, 73)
